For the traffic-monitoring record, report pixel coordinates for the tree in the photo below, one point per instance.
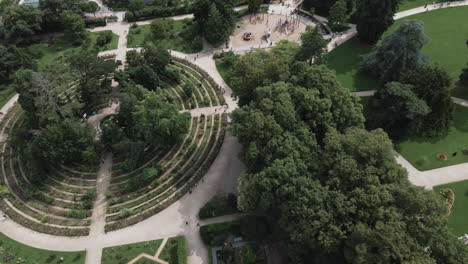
(433, 85)
(398, 110)
(63, 142)
(52, 12)
(254, 5)
(215, 18)
(104, 37)
(188, 90)
(20, 22)
(158, 121)
(321, 6)
(136, 5)
(160, 27)
(157, 58)
(313, 46)
(373, 18)
(95, 71)
(9, 63)
(145, 76)
(89, 7)
(399, 53)
(74, 26)
(338, 16)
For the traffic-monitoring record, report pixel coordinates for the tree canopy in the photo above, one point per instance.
(20, 21)
(216, 19)
(373, 18)
(399, 53)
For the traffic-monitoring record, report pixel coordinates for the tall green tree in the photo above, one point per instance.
(313, 46)
(433, 85)
(52, 11)
(338, 15)
(254, 5)
(20, 22)
(136, 5)
(74, 26)
(398, 110)
(399, 53)
(95, 72)
(216, 19)
(159, 121)
(374, 17)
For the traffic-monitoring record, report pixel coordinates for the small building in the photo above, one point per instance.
(33, 3)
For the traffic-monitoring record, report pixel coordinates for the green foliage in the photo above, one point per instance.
(160, 28)
(399, 53)
(4, 191)
(332, 191)
(373, 18)
(216, 20)
(338, 16)
(52, 12)
(313, 46)
(175, 251)
(136, 5)
(433, 85)
(11, 60)
(125, 212)
(158, 121)
(104, 37)
(188, 89)
(20, 21)
(63, 142)
(216, 234)
(74, 26)
(254, 5)
(398, 110)
(145, 76)
(89, 7)
(219, 206)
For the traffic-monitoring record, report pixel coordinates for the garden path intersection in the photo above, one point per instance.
(221, 176)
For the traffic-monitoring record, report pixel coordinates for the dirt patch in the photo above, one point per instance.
(279, 27)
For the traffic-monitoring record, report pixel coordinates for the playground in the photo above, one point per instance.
(261, 29)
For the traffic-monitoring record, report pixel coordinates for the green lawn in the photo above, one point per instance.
(459, 214)
(61, 46)
(409, 4)
(125, 253)
(180, 37)
(447, 32)
(30, 255)
(422, 152)
(345, 60)
(175, 251)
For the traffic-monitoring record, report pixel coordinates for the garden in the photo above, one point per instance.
(180, 35)
(457, 213)
(445, 46)
(13, 252)
(147, 180)
(58, 47)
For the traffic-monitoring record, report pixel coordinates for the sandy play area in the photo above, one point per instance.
(257, 28)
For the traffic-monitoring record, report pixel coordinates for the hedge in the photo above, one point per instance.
(219, 206)
(95, 22)
(152, 12)
(215, 234)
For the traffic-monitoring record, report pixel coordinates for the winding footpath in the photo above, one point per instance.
(220, 178)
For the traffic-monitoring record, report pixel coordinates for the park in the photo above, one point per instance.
(202, 131)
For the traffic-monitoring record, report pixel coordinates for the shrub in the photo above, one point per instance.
(125, 212)
(218, 206)
(95, 22)
(464, 77)
(216, 234)
(104, 38)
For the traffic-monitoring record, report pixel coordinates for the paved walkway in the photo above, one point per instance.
(221, 177)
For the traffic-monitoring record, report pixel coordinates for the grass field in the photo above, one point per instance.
(409, 4)
(61, 46)
(175, 251)
(19, 253)
(422, 152)
(459, 214)
(447, 32)
(125, 253)
(175, 40)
